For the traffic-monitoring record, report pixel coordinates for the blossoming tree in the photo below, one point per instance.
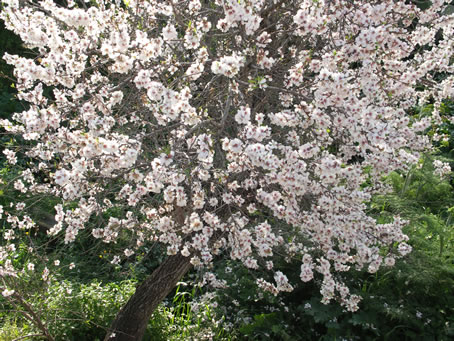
(191, 116)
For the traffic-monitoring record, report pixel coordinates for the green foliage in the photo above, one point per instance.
(264, 325)
(72, 311)
(11, 331)
(189, 316)
(441, 132)
(84, 311)
(427, 202)
(13, 44)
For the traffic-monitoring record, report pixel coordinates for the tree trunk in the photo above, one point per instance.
(131, 321)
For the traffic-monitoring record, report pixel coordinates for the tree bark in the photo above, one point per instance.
(131, 321)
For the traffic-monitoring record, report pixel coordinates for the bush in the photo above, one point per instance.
(74, 311)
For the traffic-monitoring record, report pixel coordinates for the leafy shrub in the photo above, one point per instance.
(84, 311)
(73, 311)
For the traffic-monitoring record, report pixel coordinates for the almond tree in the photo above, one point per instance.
(192, 116)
